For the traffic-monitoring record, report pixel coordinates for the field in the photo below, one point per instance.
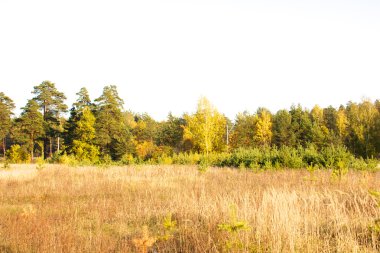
(178, 209)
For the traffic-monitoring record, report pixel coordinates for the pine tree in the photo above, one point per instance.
(282, 129)
(301, 125)
(170, 133)
(83, 101)
(51, 102)
(112, 134)
(320, 134)
(31, 124)
(6, 108)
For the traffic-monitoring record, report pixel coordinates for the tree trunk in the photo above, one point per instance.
(50, 147)
(45, 151)
(32, 148)
(4, 148)
(57, 145)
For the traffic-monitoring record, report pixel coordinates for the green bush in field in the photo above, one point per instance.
(127, 159)
(17, 155)
(332, 155)
(340, 170)
(290, 158)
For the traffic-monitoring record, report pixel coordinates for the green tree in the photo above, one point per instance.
(51, 102)
(170, 133)
(145, 128)
(112, 133)
(243, 132)
(362, 127)
(320, 134)
(6, 108)
(84, 134)
(206, 128)
(282, 129)
(76, 111)
(377, 129)
(31, 123)
(301, 125)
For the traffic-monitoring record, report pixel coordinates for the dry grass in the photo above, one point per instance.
(61, 209)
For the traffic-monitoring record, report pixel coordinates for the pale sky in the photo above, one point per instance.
(164, 55)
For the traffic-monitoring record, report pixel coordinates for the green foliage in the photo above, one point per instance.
(51, 102)
(106, 161)
(127, 159)
(203, 165)
(6, 108)
(40, 163)
(322, 137)
(312, 169)
(233, 228)
(340, 170)
(6, 165)
(16, 154)
(112, 135)
(282, 133)
(69, 160)
(170, 227)
(242, 135)
(170, 133)
(31, 125)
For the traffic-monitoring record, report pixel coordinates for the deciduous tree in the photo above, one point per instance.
(206, 128)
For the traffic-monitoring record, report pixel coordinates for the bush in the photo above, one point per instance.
(290, 158)
(16, 154)
(127, 159)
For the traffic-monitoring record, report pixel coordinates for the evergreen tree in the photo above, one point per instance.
(170, 133)
(6, 108)
(83, 101)
(243, 132)
(31, 123)
(112, 134)
(320, 135)
(301, 125)
(282, 129)
(51, 102)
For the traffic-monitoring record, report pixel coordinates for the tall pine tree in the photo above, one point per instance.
(112, 134)
(6, 108)
(51, 102)
(31, 123)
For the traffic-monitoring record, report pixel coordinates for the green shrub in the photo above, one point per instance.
(127, 159)
(16, 154)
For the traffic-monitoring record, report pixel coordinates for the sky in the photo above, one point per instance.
(164, 55)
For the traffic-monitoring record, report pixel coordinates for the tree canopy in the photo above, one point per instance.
(102, 129)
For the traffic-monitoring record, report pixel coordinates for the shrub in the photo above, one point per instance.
(17, 155)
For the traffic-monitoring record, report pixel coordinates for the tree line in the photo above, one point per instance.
(102, 129)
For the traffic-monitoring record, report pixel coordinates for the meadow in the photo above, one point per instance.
(177, 208)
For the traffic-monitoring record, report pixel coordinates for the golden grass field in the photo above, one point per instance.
(177, 209)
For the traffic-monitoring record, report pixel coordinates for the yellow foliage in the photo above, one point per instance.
(206, 127)
(263, 134)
